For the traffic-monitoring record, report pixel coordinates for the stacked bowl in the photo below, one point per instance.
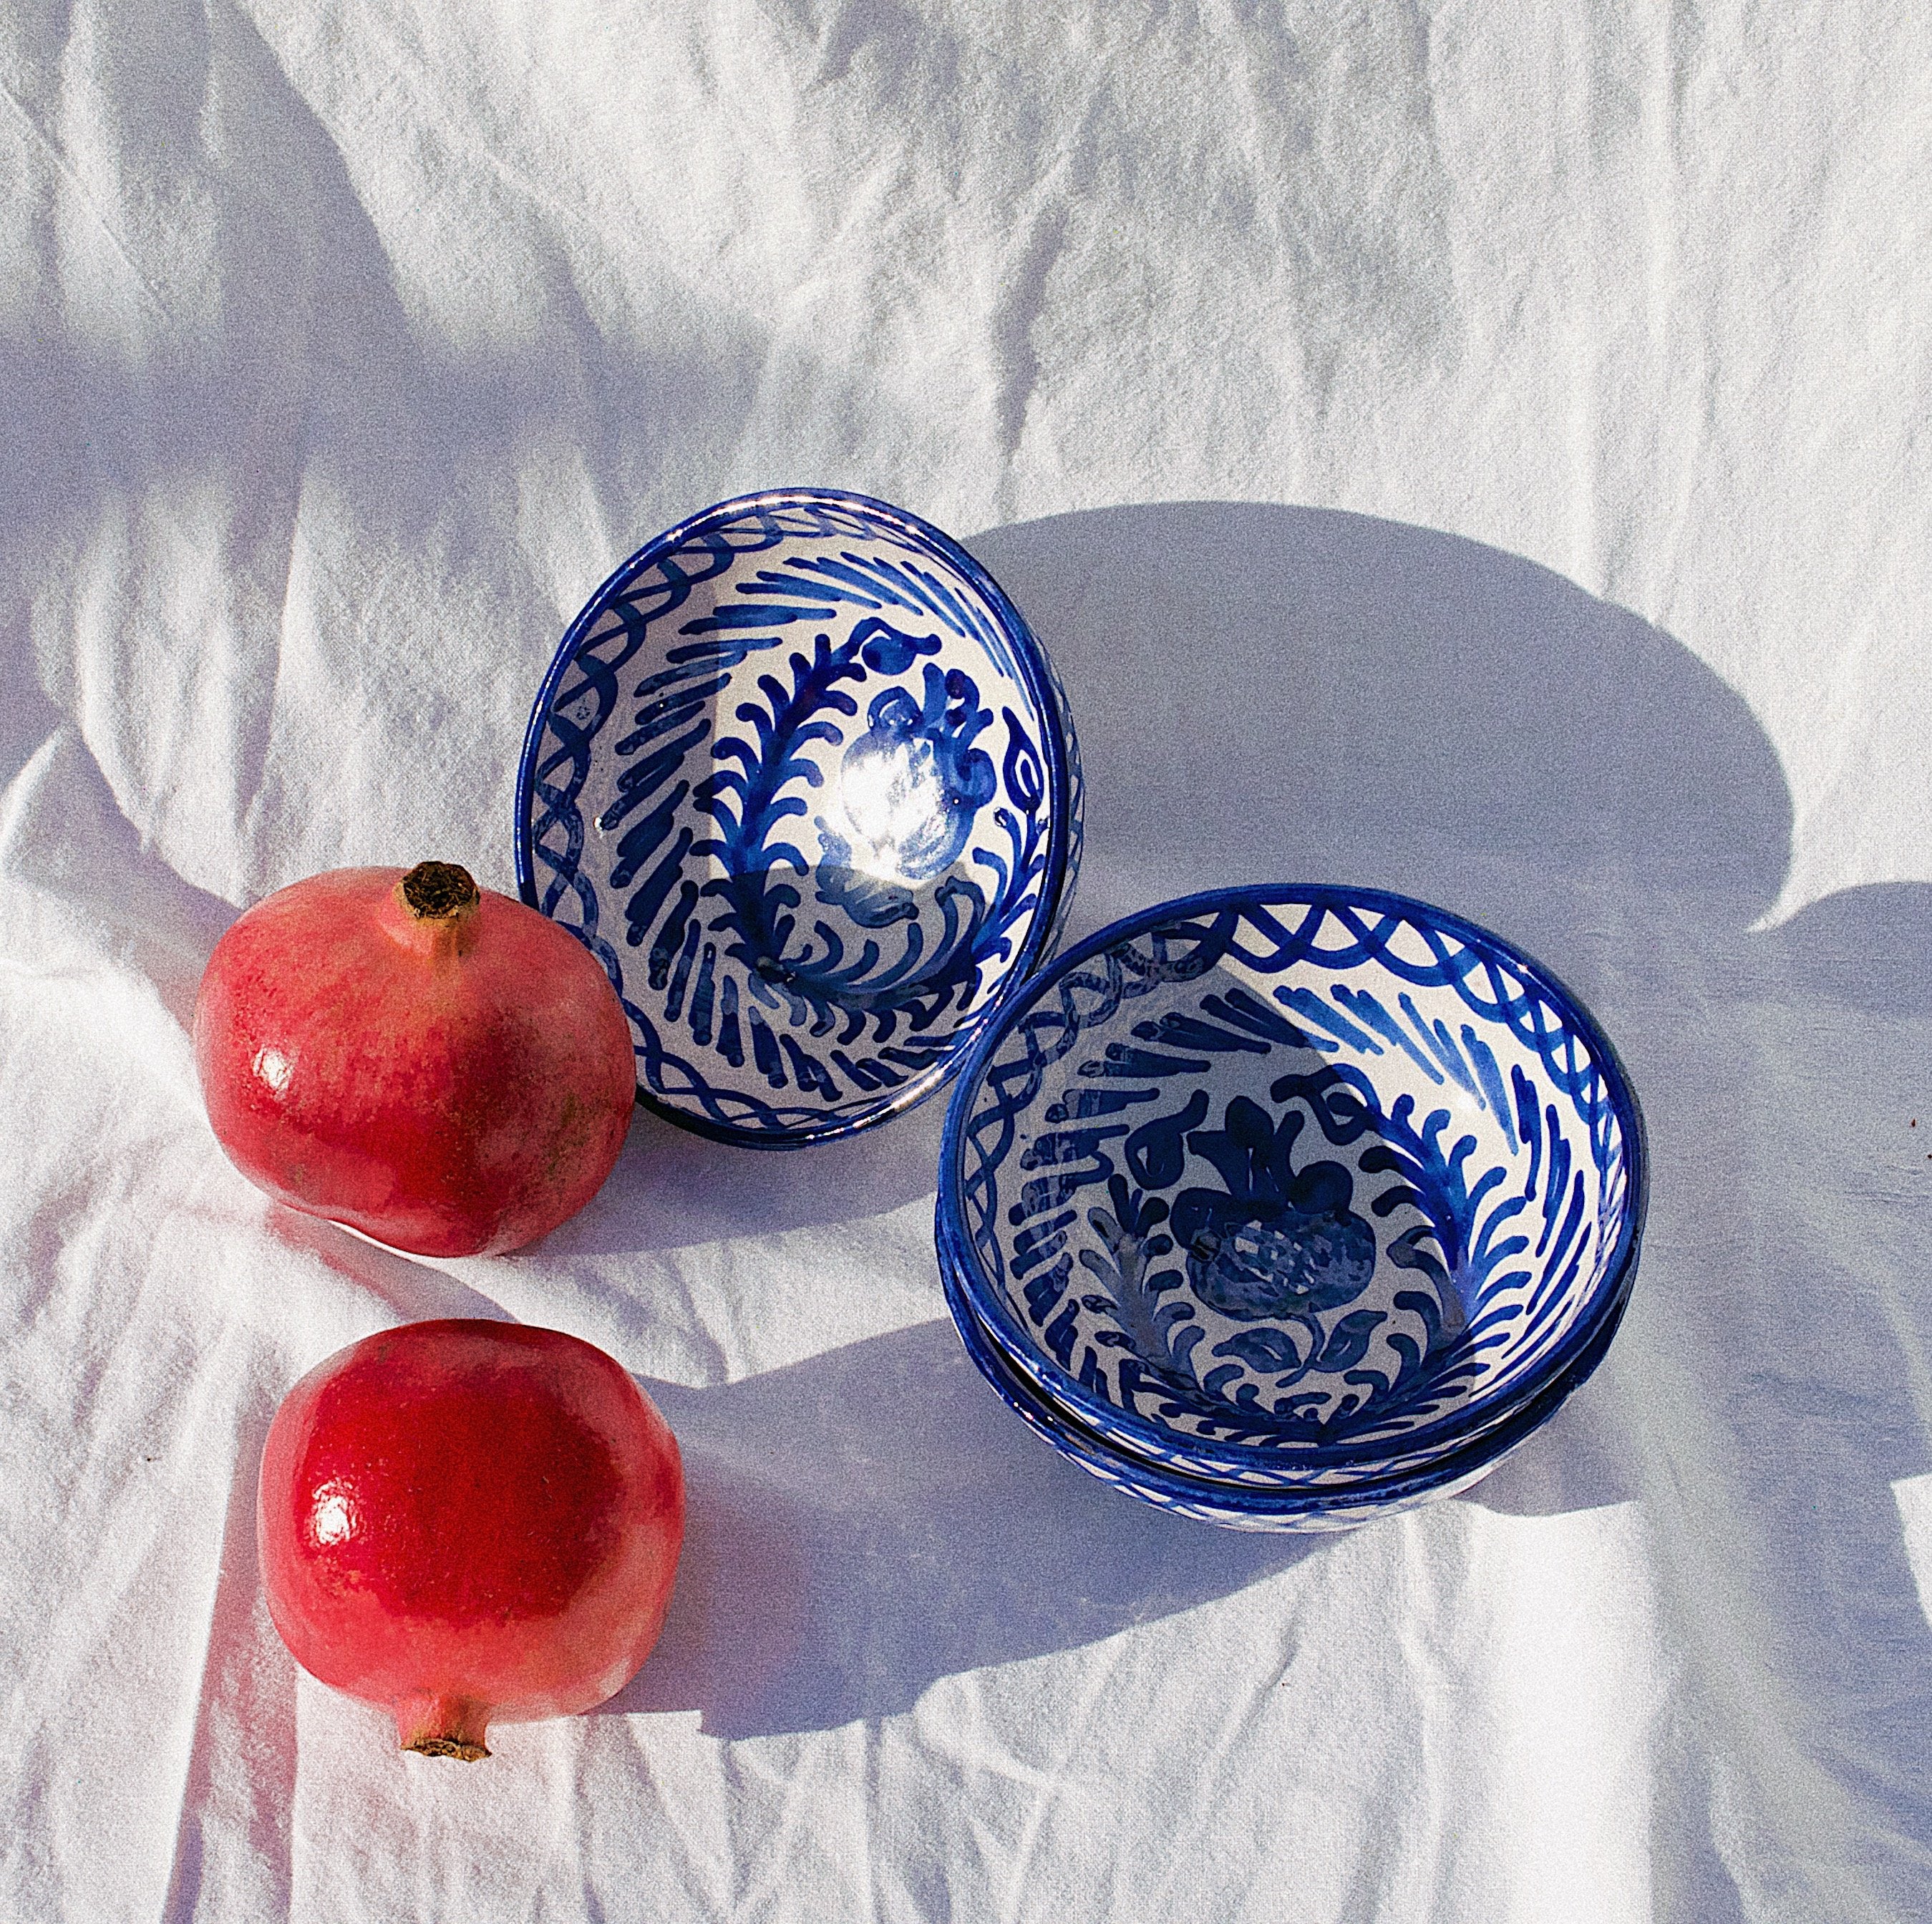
(1284, 1208)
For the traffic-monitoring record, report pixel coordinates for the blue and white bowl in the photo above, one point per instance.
(802, 778)
(1236, 1506)
(1294, 1187)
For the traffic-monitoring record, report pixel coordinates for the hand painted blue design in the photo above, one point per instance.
(761, 891)
(872, 901)
(748, 802)
(1276, 1242)
(1512, 1229)
(1270, 1351)
(805, 976)
(1253, 1267)
(746, 970)
(1274, 1246)
(885, 651)
(1280, 1247)
(1157, 1322)
(913, 783)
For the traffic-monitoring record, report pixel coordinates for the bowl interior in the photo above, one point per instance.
(1326, 1169)
(800, 777)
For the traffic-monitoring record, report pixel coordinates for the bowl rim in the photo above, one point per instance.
(1374, 1496)
(1060, 753)
(1126, 1428)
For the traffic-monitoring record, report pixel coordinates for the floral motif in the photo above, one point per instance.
(910, 788)
(1274, 1242)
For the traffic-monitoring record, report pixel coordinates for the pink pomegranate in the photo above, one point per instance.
(434, 1065)
(469, 1523)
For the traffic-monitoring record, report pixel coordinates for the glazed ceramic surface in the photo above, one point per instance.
(1272, 1183)
(1231, 1506)
(803, 780)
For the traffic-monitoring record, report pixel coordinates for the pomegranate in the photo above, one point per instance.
(431, 1063)
(469, 1523)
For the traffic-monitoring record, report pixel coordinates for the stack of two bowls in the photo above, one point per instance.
(1287, 1207)
(1282, 1208)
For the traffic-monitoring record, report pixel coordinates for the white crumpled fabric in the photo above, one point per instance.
(1482, 451)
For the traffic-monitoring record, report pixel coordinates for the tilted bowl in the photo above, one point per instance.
(800, 776)
(1293, 1186)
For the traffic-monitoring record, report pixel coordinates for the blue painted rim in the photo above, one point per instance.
(1057, 734)
(1473, 1419)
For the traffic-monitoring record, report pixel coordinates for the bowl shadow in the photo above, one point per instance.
(865, 1524)
(672, 1188)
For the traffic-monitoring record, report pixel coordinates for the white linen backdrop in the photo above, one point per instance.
(1481, 450)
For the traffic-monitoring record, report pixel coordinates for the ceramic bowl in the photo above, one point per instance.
(1235, 1506)
(801, 777)
(1293, 1186)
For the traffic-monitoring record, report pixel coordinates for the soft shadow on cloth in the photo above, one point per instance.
(1270, 692)
(315, 472)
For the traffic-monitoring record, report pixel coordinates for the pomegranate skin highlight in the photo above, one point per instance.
(469, 1522)
(435, 1065)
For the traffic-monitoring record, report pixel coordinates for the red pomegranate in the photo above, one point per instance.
(435, 1065)
(469, 1523)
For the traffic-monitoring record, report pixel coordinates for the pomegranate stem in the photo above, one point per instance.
(434, 1726)
(436, 891)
